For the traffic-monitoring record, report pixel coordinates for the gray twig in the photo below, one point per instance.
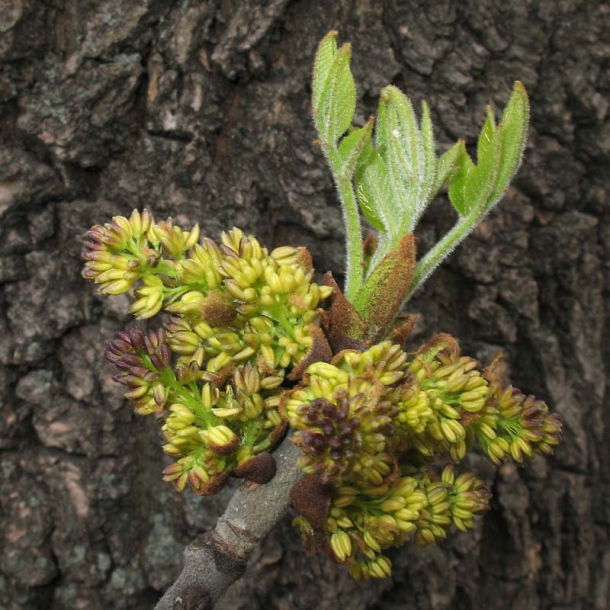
(216, 559)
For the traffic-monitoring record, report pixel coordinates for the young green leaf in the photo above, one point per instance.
(429, 158)
(481, 179)
(337, 99)
(325, 57)
(352, 146)
(405, 130)
(372, 189)
(514, 134)
(405, 152)
(484, 145)
(381, 130)
(457, 182)
(385, 136)
(445, 167)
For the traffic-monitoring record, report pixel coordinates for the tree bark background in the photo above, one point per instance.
(200, 110)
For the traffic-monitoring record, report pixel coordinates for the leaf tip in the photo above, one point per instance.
(346, 49)
(519, 87)
(330, 36)
(386, 93)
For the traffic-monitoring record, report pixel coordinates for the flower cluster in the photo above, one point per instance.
(516, 425)
(244, 352)
(373, 426)
(242, 319)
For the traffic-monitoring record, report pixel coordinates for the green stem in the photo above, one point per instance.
(277, 314)
(189, 399)
(353, 231)
(441, 250)
(164, 268)
(168, 379)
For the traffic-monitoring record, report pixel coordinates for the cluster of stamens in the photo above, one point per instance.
(375, 425)
(241, 320)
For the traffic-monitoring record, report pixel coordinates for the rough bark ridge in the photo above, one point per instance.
(200, 110)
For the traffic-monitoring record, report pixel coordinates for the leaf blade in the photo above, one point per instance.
(372, 190)
(514, 124)
(446, 165)
(458, 181)
(429, 157)
(323, 62)
(482, 179)
(337, 99)
(352, 147)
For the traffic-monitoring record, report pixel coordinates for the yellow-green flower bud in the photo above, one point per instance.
(380, 567)
(452, 430)
(115, 287)
(232, 239)
(393, 504)
(220, 438)
(151, 298)
(174, 240)
(188, 305)
(341, 545)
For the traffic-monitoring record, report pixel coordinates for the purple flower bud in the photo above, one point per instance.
(150, 343)
(228, 251)
(335, 442)
(150, 376)
(532, 423)
(533, 411)
(124, 336)
(111, 356)
(165, 355)
(122, 365)
(132, 359)
(310, 414)
(120, 346)
(345, 429)
(157, 361)
(328, 409)
(159, 395)
(317, 442)
(95, 234)
(194, 480)
(139, 371)
(555, 420)
(342, 412)
(123, 378)
(137, 338)
(328, 429)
